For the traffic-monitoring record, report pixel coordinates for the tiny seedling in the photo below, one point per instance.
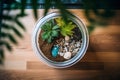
(66, 29)
(50, 31)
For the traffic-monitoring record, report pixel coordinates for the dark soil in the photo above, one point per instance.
(46, 47)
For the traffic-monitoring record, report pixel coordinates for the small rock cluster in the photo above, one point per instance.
(68, 47)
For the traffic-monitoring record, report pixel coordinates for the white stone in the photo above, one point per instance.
(66, 49)
(75, 51)
(77, 44)
(66, 43)
(67, 55)
(67, 38)
(61, 54)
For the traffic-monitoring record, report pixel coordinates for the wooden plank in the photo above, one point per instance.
(79, 66)
(18, 61)
(104, 43)
(89, 57)
(58, 75)
(48, 75)
(113, 66)
(101, 57)
(13, 65)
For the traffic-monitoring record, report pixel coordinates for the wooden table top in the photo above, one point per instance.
(101, 61)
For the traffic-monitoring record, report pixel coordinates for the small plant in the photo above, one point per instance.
(50, 31)
(52, 28)
(65, 28)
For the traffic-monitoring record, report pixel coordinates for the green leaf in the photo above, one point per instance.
(44, 28)
(65, 28)
(12, 39)
(20, 24)
(63, 33)
(90, 28)
(7, 17)
(49, 40)
(2, 54)
(3, 35)
(2, 43)
(60, 22)
(56, 27)
(34, 5)
(45, 35)
(20, 15)
(50, 25)
(70, 26)
(17, 32)
(23, 2)
(69, 33)
(47, 6)
(47, 26)
(5, 26)
(1, 61)
(64, 12)
(54, 33)
(8, 46)
(9, 36)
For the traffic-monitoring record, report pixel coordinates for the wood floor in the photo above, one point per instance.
(101, 61)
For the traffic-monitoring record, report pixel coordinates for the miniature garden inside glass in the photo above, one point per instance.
(59, 41)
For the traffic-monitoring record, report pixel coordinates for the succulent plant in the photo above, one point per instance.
(65, 28)
(50, 31)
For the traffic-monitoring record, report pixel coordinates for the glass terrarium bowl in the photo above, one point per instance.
(73, 60)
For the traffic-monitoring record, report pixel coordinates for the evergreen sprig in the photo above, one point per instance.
(5, 28)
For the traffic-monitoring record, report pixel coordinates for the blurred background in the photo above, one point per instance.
(17, 20)
(106, 11)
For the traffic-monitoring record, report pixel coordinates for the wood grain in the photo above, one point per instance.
(104, 43)
(101, 61)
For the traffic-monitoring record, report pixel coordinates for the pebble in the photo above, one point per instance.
(66, 43)
(75, 51)
(67, 55)
(55, 51)
(68, 47)
(78, 44)
(61, 53)
(67, 38)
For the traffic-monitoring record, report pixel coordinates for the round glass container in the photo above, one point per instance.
(67, 63)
